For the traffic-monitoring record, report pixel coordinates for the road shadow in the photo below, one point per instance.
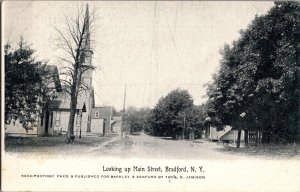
(269, 151)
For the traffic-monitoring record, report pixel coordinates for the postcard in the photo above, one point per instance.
(150, 96)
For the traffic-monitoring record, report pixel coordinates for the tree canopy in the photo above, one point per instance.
(257, 86)
(175, 115)
(24, 89)
(137, 119)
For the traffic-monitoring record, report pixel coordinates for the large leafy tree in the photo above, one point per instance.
(25, 92)
(137, 119)
(175, 115)
(257, 86)
(195, 120)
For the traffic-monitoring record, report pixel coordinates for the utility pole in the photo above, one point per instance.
(183, 129)
(123, 113)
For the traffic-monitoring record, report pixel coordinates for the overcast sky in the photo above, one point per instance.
(152, 47)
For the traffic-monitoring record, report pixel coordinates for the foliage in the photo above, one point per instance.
(137, 119)
(25, 89)
(195, 120)
(257, 86)
(175, 115)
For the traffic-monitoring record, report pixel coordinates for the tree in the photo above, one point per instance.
(75, 41)
(196, 120)
(26, 90)
(257, 85)
(168, 115)
(137, 119)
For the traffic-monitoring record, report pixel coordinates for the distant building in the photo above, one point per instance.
(102, 120)
(116, 124)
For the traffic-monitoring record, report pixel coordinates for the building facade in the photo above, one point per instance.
(102, 120)
(55, 114)
(226, 135)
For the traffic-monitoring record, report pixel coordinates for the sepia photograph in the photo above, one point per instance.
(150, 95)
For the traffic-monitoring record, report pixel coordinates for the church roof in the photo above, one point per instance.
(50, 72)
(60, 105)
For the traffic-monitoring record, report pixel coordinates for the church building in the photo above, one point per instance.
(55, 115)
(85, 100)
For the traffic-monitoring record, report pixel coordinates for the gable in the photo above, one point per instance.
(103, 112)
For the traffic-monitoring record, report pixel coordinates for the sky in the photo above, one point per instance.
(151, 47)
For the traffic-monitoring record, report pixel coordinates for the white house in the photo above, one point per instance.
(226, 135)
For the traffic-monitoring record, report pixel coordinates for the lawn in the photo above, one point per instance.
(273, 151)
(52, 144)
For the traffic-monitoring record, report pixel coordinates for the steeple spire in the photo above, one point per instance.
(87, 29)
(87, 55)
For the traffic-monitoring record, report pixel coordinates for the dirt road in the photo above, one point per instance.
(145, 146)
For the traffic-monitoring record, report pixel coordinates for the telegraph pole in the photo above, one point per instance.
(183, 129)
(123, 113)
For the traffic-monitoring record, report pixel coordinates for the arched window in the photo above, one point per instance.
(57, 118)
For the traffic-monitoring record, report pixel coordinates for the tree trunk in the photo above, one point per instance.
(207, 132)
(246, 136)
(266, 137)
(257, 137)
(70, 133)
(174, 136)
(238, 142)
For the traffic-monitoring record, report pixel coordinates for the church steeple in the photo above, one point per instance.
(87, 43)
(87, 56)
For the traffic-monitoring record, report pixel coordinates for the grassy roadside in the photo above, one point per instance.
(52, 144)
(112, 145)
(273, 151)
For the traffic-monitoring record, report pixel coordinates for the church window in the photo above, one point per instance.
(57, 118)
